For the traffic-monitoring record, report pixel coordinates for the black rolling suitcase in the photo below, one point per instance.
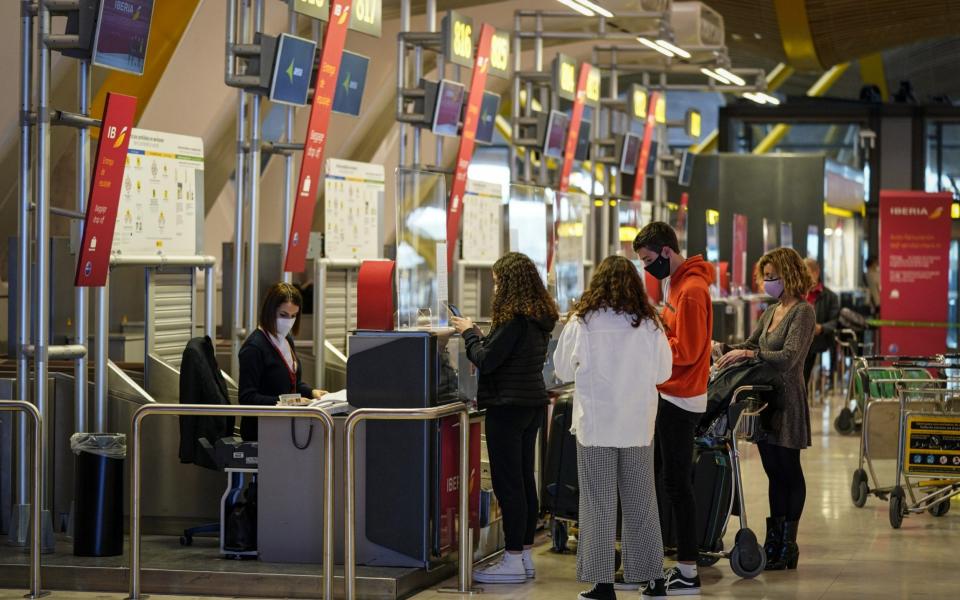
(713, 488)
(561, 489)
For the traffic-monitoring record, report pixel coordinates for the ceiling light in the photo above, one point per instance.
(583, 10)
(770, 99)
(596, 8)
(672, 48)
(755, 98)
(655, 46)
(714, 75)
(736, 79)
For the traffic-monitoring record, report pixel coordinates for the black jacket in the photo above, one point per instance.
(827, 308)
(724, 383)
(264, 377)
(201, 382)
(510, 361)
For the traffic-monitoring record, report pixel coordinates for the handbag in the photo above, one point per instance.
(726, 381)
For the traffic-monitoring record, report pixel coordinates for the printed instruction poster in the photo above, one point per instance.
(482, 218)
(162, 186)
(353, 207)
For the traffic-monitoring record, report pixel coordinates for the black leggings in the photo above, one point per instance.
(511, 445)
(788, 489)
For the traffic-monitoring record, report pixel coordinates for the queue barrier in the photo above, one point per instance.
(35, 498)
(220, 410)
(350, 526)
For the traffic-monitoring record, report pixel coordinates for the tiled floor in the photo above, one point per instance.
(845, 552)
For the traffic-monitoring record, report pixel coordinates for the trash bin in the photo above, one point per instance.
(98, 497)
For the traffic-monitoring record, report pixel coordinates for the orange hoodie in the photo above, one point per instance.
(688, 317)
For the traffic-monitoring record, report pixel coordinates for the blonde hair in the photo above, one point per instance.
(789, 265)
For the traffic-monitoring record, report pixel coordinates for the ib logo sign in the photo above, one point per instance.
(117, 138)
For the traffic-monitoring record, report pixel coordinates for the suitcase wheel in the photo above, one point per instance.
(747, 558)
(844, 423)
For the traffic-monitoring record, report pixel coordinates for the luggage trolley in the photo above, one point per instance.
(928, 457)
(860, 391)
(875, 386)
(740, 422)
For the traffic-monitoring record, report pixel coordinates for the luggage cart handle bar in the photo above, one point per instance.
(350, 521)
(222, 410)
(35, 508)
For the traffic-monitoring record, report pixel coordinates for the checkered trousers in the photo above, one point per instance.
(603, 472)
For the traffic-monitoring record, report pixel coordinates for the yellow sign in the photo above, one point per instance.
(593, 85)
(661, 110)
(459, 38)
(713, 216)
(932, 444)
(638, 104)
(693, 124)
(365, 15)
(500, 54)
(565, 76)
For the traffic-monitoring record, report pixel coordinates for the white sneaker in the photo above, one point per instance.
(528, 565)
(510, 569)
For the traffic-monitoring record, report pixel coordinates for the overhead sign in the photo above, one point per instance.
(648, 132)
(458, 38)
(351, 80)
(500, 54)
(692, 123)
(565, 76)
(660, 108)
(593, 88)
(365, 17)
(471, 120)
(93, 261)
(123, 28)
(315, 143)
(292, 70)
(915, 230)
(588, 75)
(638, 102)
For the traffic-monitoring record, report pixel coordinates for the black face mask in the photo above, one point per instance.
(659, 268)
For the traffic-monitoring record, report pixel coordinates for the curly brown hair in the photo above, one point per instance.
(789, 266)
(520, 291)
(616, 286)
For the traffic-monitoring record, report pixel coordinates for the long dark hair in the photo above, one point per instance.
(616, 286)
(520, 291)
(277, 296)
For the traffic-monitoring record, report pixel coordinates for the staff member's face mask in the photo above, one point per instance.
(655, 263)
(286, 318)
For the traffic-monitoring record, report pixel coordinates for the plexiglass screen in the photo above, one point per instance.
(421, 249)
(527, 215)
(573, 211)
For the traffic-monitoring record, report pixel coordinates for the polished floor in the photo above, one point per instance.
(846, 552)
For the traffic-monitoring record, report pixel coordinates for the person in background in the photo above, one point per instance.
(269, 366)
(688, 321)
(782, 339)
(826, 305)
(615, 410)
(511, 389)
(872, 279)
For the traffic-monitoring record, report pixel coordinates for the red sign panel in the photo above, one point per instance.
(450, 481)
(375, 295)
(478, 81)
(914, 263)
(573, 132)
(93, 262)
(313, 147)
(740, 253)
(644, 157)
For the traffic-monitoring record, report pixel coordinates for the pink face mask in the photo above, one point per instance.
(773, 287)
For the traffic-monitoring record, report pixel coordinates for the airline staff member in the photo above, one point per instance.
(269, 366)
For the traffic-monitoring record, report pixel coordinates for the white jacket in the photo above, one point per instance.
(616, 368)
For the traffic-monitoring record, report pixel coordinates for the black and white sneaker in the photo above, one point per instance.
(599, 592)
(655, 589)
(678, 585)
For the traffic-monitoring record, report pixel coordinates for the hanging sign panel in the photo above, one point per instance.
(565, 76)
(653, 117)
(162, 183)
(500, 54)
(366, 16)
(638, 102)
(353, 203)
(93, 262)
(470, 121)
(587, 84)
(315, 143)
(458, 38)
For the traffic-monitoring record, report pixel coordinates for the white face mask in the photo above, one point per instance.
(284, 326)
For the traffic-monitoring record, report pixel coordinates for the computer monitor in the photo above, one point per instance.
(351, 81)
(123, 28)
(556, 134)
(686, 168)
(292, 70)
(446, 113)
(583, 141)
(489, 108)
(652, 159)
(629, 152)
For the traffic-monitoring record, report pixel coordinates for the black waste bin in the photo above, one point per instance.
(98, 497)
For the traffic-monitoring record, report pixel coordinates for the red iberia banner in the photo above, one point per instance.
(313, 147)
(478, 81)
(644, 157)
(93, 262)
(573, 131)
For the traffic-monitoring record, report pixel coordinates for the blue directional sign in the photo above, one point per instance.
(351, 80)
(292, 70)
(489, 107)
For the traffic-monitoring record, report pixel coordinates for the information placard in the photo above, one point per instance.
(162, 187)
(933, 445)
(482, 218)
(353, 204)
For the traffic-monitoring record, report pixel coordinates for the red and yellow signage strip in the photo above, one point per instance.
(644, 156)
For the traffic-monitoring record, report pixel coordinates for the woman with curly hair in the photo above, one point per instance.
(511, 389)
(782, 339)
(615, 350)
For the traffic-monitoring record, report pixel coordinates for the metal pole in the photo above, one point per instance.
(29, 412)
(209, 309)
(288, 164)
(320, 321)
(441, 72)
(466, 547)
(237, 332)
(544, 92)
(605, 210)
(101, 299)
(253, 232)
(517, 66)
(81, 294)
(402, 78)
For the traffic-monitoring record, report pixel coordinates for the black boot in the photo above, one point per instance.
(789, 551)
(774, 538)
